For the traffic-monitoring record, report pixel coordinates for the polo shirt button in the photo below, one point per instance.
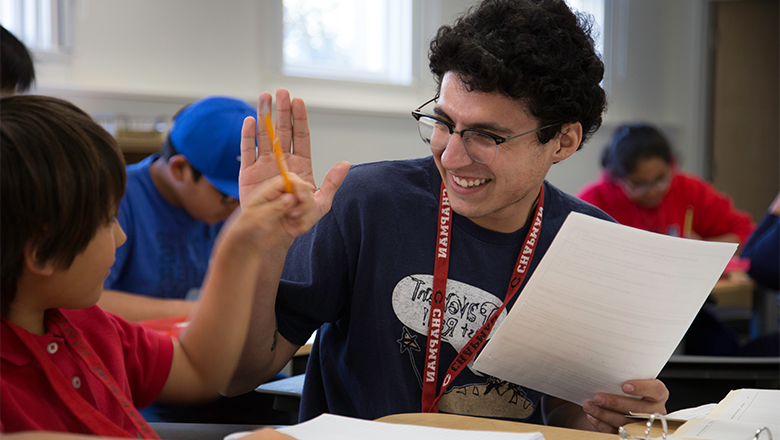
(76, 382)
(52, 348)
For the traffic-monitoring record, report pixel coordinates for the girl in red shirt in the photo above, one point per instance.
(641, 187)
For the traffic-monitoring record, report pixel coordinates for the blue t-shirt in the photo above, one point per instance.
(167, 251)
(763, 249)
(365, 273)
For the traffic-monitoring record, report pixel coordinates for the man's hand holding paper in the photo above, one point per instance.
(607, 412)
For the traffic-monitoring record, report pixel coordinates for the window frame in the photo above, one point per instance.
(345, 74)
(48, 35)
(350, 96)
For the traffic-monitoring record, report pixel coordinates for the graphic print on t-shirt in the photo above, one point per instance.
(176, 267)
(466, 308)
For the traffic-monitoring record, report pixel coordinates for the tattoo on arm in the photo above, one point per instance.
(276, 338)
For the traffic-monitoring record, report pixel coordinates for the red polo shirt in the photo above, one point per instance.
(137, 358)
(713, 212)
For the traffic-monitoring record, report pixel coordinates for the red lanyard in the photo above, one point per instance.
(89, 415)
(430, 401)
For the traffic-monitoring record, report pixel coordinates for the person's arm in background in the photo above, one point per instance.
(763, 248)
(716, 219)
(266, 352)
(134, 307)
(129, 305)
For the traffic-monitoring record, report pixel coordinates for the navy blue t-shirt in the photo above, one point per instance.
(365, 272)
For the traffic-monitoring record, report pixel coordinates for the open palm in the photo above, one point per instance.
(292, 131)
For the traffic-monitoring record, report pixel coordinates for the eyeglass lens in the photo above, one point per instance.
(479, 147)
(644, 188)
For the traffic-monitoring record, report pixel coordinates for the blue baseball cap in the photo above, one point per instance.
(208, 134)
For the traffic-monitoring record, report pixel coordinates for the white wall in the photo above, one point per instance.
(657, 77)
(146, 57)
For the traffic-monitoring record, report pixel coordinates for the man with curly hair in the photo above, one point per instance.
(419, 259)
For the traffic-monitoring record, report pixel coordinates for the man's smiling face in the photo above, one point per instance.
(497, 196)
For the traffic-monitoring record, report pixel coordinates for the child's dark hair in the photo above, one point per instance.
(62, 177)
(534, 51)
(631, 143)
(17, 72)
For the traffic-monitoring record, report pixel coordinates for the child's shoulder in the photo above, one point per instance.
(94, 322)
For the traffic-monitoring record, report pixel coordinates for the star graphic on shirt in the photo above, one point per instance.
(408, 342)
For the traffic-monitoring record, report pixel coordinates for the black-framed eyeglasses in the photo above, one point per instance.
(640, 189)
(481, 146)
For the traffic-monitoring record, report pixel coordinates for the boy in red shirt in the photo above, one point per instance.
(68, 366)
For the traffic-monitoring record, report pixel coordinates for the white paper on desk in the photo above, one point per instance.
(749, 406)
(718, 429)
(333, 427)
(698, 412)
(737, 417)
(607, 303)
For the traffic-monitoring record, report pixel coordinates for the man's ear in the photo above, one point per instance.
(569, 141)
(32, 264)
(179, 168)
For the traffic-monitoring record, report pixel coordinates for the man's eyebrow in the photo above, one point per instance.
(489, 127)
(441, 113)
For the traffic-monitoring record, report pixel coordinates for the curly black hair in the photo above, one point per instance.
(535, 51)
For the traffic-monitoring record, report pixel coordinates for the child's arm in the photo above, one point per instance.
(266, 351)
(134, 307)
(255, 239)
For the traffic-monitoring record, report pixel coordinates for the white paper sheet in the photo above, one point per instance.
(737, 417)
(681, 415)
(606, 304)
(698, 412)
(750, 406)
(333, 427)
(712, 429)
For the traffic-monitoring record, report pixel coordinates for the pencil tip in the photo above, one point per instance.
(265, 108)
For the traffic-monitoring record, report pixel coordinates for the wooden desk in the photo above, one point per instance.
(304, 350)
(198, 431)
(135, 149)
(482, 424)
(734, 289)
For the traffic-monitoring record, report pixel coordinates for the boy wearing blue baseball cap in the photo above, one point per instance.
(175, 205)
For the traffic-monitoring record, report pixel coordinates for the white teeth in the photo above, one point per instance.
(469, 183)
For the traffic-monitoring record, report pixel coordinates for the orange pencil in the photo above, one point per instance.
(687, 226)
(280, 162)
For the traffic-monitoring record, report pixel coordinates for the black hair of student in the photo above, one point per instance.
(62, 177)
(168, 150)
(17, 72)
(538, 52)
(631, 143)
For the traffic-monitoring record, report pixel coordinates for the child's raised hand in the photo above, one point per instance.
(269, 213)
(258, 164)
